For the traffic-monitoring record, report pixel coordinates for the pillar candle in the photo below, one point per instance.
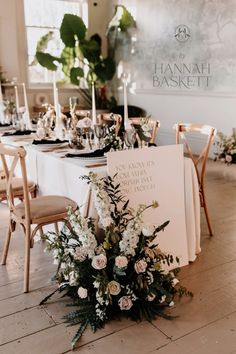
(94, 116)
(17, 100)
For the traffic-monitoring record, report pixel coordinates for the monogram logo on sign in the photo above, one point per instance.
(182, 33)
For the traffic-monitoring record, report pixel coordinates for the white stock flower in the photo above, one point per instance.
(72, 278)
(96, 284)
(82, 292)
(174, 281)
(148, 230)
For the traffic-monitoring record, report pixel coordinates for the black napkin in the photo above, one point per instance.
(19, 132)
(96, 153)
(5, 124)
(149, 145)
(47, 142)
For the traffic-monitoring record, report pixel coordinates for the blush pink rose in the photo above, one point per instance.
(140, 266)
(99, 262)
(121, 261)
(125, 303)
(82, 292)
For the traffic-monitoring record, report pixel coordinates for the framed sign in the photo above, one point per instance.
(157, 174)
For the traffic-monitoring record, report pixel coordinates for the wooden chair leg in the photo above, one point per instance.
(6, 244)
(206, 213)
(27, 259)
(56, 228)
(34, 193)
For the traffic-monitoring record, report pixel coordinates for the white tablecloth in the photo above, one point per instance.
(60, 176)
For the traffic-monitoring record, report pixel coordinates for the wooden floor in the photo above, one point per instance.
(206, 324)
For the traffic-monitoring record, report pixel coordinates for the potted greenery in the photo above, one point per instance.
(81, 52)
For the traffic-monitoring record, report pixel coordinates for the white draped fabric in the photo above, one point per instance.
(60, 176)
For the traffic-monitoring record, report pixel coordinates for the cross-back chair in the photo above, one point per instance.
(31, 214)
(155, 125)
(200, 161)
(17, 184)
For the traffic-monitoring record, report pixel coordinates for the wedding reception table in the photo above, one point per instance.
(57, 175)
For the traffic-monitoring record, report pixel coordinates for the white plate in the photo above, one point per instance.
(91, 160)
(49, 146)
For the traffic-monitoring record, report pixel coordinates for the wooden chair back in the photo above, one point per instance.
(16, 155)
(155, 124)
(202, 157)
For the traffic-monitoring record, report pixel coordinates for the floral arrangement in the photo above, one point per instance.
(144, 130)
(112, 139)
(226, 148)
(123, 273)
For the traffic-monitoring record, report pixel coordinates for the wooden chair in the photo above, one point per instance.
(109, 119)
(155, 124)
(38, 211)
(17, 184)
(210, 132)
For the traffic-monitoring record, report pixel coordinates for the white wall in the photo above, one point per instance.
(213, 108)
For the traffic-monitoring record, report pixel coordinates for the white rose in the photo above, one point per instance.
(114, 287)
(171, 304)
(80, 124)
(228, 158)
(99, 262)
(87, 122)
(125, 303)
(148, 230)
(82, 292)
(140, 266)
(121, 261)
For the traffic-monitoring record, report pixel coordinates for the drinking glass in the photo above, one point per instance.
(130, 138)
(100, 132)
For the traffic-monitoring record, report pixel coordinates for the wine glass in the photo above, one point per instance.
(130, 137)
(100, 132)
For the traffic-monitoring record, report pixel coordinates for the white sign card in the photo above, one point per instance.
(150, 174)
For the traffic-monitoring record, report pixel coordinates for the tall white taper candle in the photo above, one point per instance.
(127, 124)
(94, 116)
(17, 100)
(25, 98)
(2, 117)
(26, 116)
